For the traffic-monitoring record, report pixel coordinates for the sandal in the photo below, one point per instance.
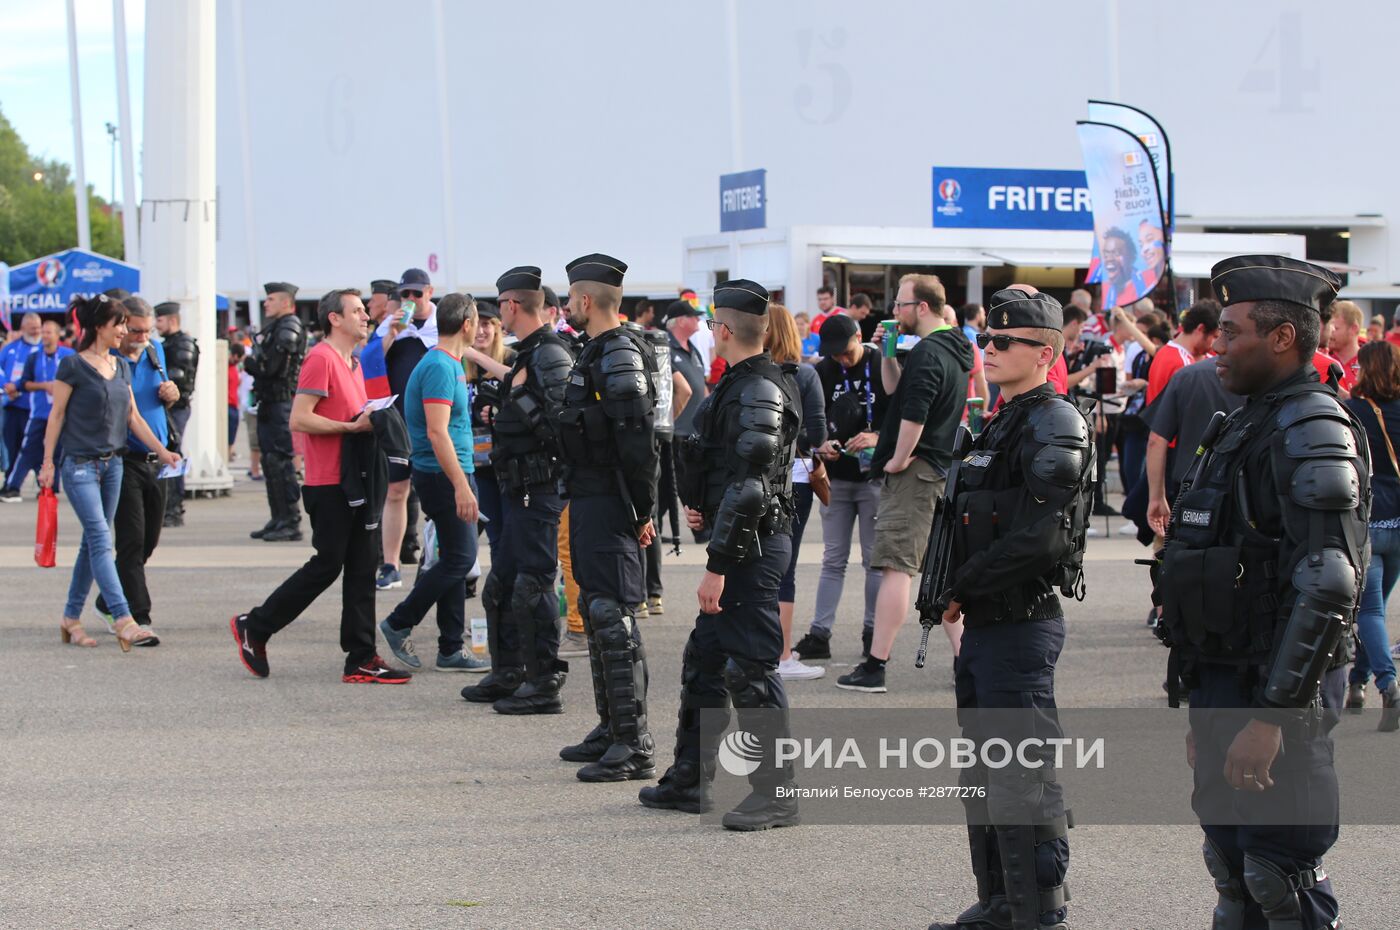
(129, 633)
(72, 632)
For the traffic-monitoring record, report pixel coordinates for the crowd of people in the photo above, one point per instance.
(411, 425)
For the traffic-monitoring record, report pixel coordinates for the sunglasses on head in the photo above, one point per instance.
(416, 295)
(1003, 342)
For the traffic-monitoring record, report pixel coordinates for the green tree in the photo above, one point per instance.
(37, 216)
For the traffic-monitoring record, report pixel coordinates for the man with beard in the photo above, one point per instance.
(608, 445)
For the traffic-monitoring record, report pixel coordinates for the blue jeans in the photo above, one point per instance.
(445, 584)
(94, 487)
(1374, 656)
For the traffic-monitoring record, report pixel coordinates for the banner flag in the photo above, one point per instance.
(1128, 217)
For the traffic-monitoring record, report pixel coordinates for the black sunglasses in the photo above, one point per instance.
(416, 295)
(1003, 342)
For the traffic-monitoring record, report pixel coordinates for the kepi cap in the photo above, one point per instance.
(383, 286)
(1013, 308)
(1273, 277)
(280, 287)
(167, 308)
(596, 267)
(836, 334)
(743, 295)
(519, 278)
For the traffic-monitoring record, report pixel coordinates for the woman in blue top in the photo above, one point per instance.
(1375, 400)
(92, 411)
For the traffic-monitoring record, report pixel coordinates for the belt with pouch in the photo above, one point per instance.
(141, 458)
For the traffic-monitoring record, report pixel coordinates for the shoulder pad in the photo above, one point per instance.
(1326, 484)
(624, 370)
(1059, 465)
(760, 422)
(1058, 422)
(1308, 406)
(551, 365)
(1326, 434)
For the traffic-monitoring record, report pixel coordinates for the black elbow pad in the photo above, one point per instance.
(736, 522)
(1327, 588)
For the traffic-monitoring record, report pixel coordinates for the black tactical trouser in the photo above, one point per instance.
(1017, 827)
(279, 468)
(524, 562)
(175, 487)
(1263, 858)
(732, 656)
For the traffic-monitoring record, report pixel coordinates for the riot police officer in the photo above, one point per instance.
(1259, 582)
(735, 476)
(522, 611)
(609, 449)
(275, 365)
(1021, 501)
(181, 364)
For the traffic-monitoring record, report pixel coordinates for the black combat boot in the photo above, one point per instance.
(539, 695)
(598, 740)
(763, 810)
(498, 683)
(994, 914)
(1390, 709)
(684, 787)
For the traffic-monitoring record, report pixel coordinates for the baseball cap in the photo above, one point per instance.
(414, 279)
(679, 308)
(836, 334)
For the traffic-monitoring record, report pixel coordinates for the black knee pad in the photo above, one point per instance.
(747, 683)
(1229, 909)
(528, 591)
(1275, 890)
(612, 624)
(493, 593)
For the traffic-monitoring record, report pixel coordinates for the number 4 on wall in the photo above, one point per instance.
(1278, 67)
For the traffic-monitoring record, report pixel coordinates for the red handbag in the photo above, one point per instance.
(46, 529)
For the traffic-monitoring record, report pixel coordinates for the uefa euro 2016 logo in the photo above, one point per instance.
(50, 272)
(950, 190)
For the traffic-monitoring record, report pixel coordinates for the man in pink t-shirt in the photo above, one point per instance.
(329, 403)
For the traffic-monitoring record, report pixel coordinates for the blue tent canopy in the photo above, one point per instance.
(46, 285)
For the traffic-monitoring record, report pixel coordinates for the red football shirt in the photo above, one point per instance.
(1170, 359)
(1323, 363)
(341, 392)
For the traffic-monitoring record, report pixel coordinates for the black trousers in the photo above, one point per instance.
(606, 555)
(275, 439)
(525, 560)
(1303, 775)
(342, 543)
(140, 510)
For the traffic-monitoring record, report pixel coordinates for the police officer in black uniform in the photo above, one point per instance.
(522, 611)
(735, 476)
(181, 364)
(1259, 583)
(609, 449)
(1022, 501)
(275, 364)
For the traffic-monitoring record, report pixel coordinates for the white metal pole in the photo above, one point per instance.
(178, 215)
(245, 141)
(1114, 92)
(131, 214)
(736, 113)
(449, 223)
(79, 178)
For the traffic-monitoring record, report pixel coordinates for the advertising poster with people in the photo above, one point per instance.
(1129, 221)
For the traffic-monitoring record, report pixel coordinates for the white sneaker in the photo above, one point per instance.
(1128, 529)
(793, 670)
(1092, 532)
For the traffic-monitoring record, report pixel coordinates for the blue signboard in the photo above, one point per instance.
(743, 200)
(47, 284)
(1011, 198)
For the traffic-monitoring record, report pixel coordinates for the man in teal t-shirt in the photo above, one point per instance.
(438, 412)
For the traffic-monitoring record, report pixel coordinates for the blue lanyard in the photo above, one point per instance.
(869, 392)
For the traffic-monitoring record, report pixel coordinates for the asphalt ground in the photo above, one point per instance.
(167, 788)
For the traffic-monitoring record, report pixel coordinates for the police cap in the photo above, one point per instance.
(1273, 277)
(596, 267)
(168, 308)
(280, 287)
(383, 286)
(743, 295)
(520, 278)
(1013, 308)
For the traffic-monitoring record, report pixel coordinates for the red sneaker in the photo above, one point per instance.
(375, 672)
